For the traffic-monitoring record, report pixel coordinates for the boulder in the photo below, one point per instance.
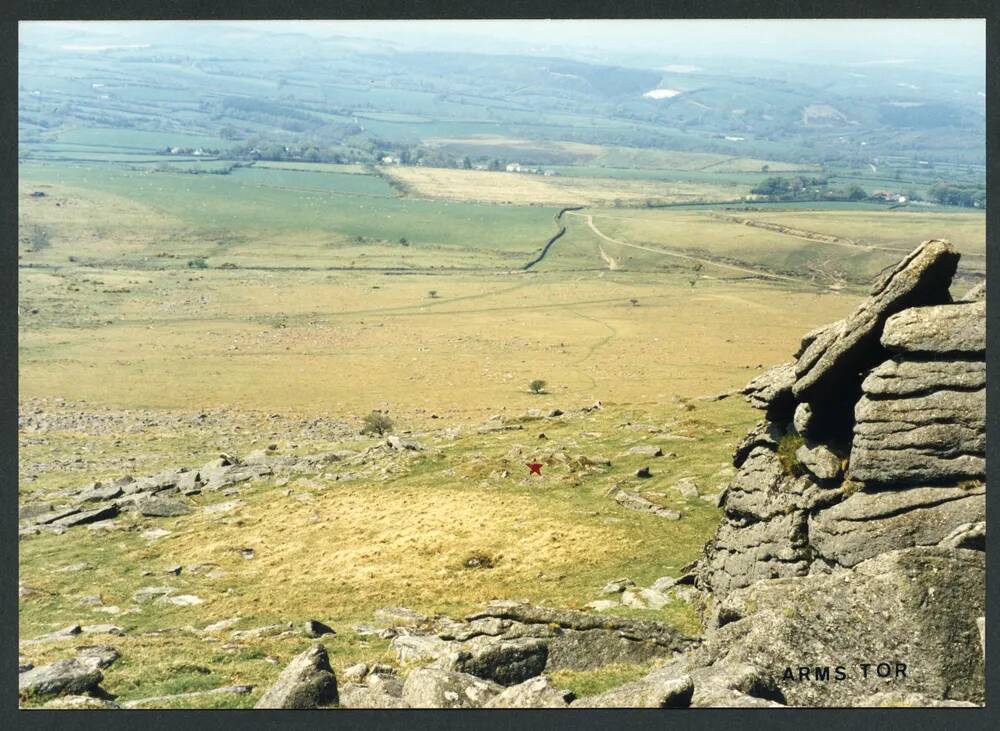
(98, 493)
(649, 692)
(379, 691)
(583, 641)
(69, 676)
(162, 507)
(821, 463)
(635, 501)
(415, 648)
(837, 354)
(398, 617)
(802, 418)
(936, 437)
(315, 628)
(306, 682)
(957, 328)
(771, 391)
(869, 523)
(507, 662)
(97, 657)
(436, 688)
(916, 607)
(534, 693)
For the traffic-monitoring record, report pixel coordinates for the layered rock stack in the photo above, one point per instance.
(870, 460)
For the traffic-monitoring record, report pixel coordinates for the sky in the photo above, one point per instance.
(952, 46)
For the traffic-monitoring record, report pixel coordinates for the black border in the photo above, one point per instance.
(11, 717)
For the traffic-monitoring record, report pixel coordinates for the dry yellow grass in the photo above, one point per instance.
(344, 347)
(525, 189)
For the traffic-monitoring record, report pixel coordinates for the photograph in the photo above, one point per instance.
(500, 364)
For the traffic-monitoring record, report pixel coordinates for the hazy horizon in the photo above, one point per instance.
(950, 45)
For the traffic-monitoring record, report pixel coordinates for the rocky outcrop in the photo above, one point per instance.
(895, 463)
(436, 688)
(306, 682)
(915, 608)
(853, 531)
(71, 676)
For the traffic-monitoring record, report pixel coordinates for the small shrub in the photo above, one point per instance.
(198, 263)
(377, 423)
(432, 294)
(537, 386)
(787, 446)
(634, 302)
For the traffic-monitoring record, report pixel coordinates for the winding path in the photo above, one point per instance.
(699, 260)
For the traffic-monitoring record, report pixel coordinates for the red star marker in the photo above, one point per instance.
(536, 468)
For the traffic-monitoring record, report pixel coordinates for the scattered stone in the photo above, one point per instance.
(149, 593)
(663, 583)
(97, 656)
(399, 617)
(602, 605)
(161, 507)
(98, 493)
(401, 444)
(69, 676)
(436, 688)
(644, 599)
(315, 628)
(87, 516)
(635, 501)
(307, 682)
(160, 700)
(181, 600)
(617, 586)
(687, 487)
(643, 472)
(355, 673)
(532, 693)
(174, 570)
(650, 450)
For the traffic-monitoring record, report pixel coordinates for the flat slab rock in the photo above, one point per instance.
(869, 523)
(917, 606)
(896, 378)
(836, 354)
(957, 328)
(937, 437)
